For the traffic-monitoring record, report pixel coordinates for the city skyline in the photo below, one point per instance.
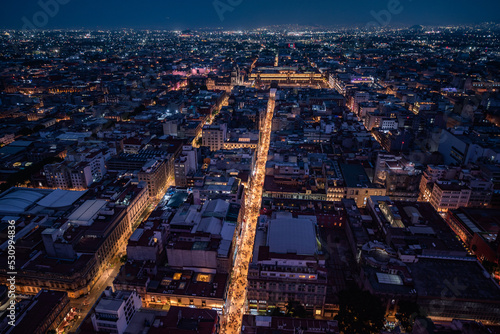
(241, 167)
(241, 14)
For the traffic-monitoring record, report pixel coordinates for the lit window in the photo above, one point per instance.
(203, 278)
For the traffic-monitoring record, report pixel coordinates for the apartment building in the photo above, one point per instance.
(154, 174)
(358, 185)
(287, 266)
(114, 311)
(185, 164)
(214, 136)
(398, 176)
(447, 195)
(433, 173)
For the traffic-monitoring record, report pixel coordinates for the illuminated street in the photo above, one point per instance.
(134, 160)
(84, 304)
(235, 302)
(210, 118)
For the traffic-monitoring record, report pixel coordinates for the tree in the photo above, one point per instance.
(38, 128)
(295, 309)
(360, 312)
(138, 110)
(25, 131)
(108, 125)
(275, 312)
(407, 312)
(490, 267)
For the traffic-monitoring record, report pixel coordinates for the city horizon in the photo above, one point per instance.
(241, 14)
(279, 28)
(336, 175)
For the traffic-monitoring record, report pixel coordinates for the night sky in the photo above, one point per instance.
(172, 15)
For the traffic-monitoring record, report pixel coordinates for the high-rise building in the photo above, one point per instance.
(185, 164)
(154, 174)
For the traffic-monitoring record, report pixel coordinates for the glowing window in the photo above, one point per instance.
(203, 278)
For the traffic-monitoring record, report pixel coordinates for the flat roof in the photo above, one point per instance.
(109, 304)
(469, 223)
(137, 234)
(384, 278)
(484, 220)
(41, 306)
(292, 235)
(227, 231)
(21, 143)
(433, 276)
(355, 176)
(87, 211)
(11, 150)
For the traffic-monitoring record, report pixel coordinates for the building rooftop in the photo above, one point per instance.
(112, 301)
(21, 200)
(86, 213)
(355, 176)
(480, 220)
(433, 278)
(40, 307)
(184, 320)
(269, 325)
(18, 200)
(292, 235)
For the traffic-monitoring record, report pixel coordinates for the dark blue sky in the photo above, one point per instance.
(168, 14)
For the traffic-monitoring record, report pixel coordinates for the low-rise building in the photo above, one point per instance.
(398, 176)
(414, 229)
(479, 230)
(188, 320)
(44, 312)
(447, 195)
(114, 310)
(214, 136)
(287, 265)
(165, 286)
(358, 185)
(254, 324)
(69, 240)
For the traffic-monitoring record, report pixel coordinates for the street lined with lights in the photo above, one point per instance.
(235, 301)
